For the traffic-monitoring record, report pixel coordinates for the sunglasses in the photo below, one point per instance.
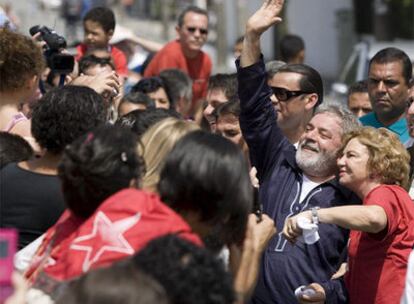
(284, 95)
(202, 31)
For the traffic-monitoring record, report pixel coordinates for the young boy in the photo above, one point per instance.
(99, 25)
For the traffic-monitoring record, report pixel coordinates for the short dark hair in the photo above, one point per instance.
(311, 81)
(188, 273)
(119, 283)
(358, 87)
(177, 84)
(391, 54)
(139, 121)
(89, 61)
(148, 85)
(226, 82)
(65, 113)
(193, 176)
(190, 9)
(138, 98)
(13, 148)
(290, 46)
(230, 107)
(102, 15)
(97, 165)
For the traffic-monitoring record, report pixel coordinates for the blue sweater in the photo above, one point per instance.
(285, 266)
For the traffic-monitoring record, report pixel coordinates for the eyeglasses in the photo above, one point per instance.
(284, 95)
(202, 31)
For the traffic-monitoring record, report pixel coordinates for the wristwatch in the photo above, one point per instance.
(315, 217)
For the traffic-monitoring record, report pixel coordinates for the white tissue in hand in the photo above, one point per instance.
(303, 290)
(309, 230)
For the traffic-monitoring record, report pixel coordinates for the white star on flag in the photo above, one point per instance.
(111, 234)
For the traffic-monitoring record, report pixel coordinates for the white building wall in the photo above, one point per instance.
(315, 21)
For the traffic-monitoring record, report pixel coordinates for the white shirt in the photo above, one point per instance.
(307, 186)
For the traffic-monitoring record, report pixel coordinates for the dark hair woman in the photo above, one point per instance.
(108, 219)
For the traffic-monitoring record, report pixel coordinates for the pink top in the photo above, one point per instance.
(15, 120)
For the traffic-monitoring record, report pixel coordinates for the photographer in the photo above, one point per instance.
(64, 70)
(61, 66)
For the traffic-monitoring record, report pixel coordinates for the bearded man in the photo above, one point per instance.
(291, 180)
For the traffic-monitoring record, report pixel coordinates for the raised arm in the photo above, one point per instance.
(257, 24)
(257, 117)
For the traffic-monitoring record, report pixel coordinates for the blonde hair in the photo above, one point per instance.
(157, 142)
(388, 158)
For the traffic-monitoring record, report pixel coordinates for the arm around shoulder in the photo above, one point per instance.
(371, 219)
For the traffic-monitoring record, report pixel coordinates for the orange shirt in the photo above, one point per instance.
(198, 68)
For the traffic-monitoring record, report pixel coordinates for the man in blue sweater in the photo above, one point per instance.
(292, 181)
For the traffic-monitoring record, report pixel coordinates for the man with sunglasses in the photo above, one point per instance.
(297, 91)
(185, 53)
(292, 180)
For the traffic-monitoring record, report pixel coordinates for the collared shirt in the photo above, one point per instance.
(399, 127)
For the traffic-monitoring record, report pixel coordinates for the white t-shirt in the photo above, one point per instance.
(307, 186)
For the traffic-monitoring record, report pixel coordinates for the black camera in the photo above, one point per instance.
(59, 63)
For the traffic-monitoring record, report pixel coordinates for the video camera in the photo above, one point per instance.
(59, 63)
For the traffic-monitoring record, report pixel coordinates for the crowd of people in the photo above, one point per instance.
(173, 185)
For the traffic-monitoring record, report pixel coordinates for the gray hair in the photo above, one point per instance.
(349, 121)
(272, 67)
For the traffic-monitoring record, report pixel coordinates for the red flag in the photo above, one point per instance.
(121, 226)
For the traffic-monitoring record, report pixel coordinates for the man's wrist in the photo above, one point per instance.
(251, 35)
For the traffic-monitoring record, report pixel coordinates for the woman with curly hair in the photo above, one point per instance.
(375, 165)
(21, 63)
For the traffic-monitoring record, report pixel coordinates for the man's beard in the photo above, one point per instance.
(320, 164)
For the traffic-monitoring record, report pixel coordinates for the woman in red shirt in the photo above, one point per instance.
(375, 165)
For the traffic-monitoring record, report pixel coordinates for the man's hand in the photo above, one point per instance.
(258, 234)
(318, 298)
(257, 24)
(340, 272)
(103, 83)
(291, 229)
(264, 17)
(37, 39)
